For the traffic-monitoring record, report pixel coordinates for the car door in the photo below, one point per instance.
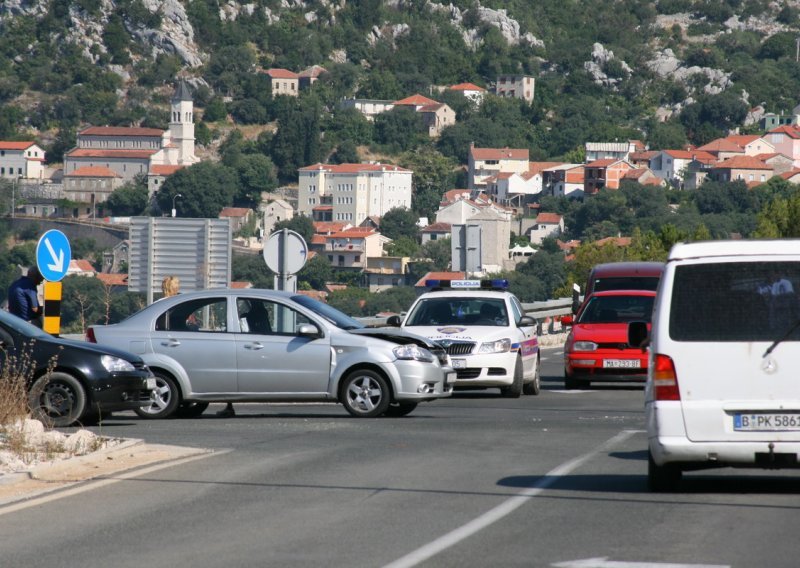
(195, 334)
(529, 345)
(271, 357)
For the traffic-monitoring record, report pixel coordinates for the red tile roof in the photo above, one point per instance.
(164, 170)
(241, 285)
(466, 87)
(15, 145)
(278, 73)
(499, 153)
(618, 241)
(94, 172)
(353, 168)
(742, 139)
(125, 154)
(118, 131)
(552, 218)
(437, 228)
(416, 100)
(81, 265)
(689, 155)
(112, 279)
(722, 145)
(439, 276)
(789, 129)
(453, 195)
(329, 226)
(234, 212)
(742, 163)
(604, 163)
(790, 174)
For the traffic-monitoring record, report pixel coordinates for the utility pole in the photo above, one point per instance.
(797, 51)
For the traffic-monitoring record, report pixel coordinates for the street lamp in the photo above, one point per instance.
(176, 196)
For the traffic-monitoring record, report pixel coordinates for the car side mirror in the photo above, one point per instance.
(567, 320)
(526, 321)
(308, 330)
(638, 336)
(394, 321)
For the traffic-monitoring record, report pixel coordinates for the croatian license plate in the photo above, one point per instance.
(621, 364)
(450, 378)
(459, 363)
(151, 384)
(767, 422)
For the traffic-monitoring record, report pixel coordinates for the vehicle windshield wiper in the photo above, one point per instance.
(781, 339)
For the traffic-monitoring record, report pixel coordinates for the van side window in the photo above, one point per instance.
(736, 301)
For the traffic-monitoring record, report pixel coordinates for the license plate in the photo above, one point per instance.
(450, 378)
(459, 363)
(766, 422)
(621, 364)
(151, 384)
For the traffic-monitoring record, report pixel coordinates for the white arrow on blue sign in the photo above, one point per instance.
(53, 254)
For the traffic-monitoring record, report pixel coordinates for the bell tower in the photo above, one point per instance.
(181, 124)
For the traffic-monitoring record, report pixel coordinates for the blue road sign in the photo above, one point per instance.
(53, 254)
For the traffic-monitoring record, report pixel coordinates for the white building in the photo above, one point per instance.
(547, 225)
(516, 87)
(274, 212)
(484, 163)
(21, 160)
(355, 191)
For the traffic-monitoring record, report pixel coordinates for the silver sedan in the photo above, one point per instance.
(226, 345)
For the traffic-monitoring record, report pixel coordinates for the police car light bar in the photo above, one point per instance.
(494, 284)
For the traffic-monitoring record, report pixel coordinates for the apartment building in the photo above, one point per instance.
(21, 160)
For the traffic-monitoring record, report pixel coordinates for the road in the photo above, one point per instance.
(475, 480)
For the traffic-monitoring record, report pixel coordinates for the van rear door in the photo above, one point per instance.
(723, 319)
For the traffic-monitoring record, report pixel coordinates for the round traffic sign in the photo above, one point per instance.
(53, 254)
(285, 252)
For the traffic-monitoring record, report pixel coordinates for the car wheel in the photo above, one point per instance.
(164, 399)
(191, 409)
(365, 394)
(57, 399)
(398, 409)
(570, 382)
(535, 386)
(662, 478)
(515, 390)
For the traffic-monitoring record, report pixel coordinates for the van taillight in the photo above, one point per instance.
(90, 336)
(665, 381)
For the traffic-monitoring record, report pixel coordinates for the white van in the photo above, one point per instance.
(723, 385)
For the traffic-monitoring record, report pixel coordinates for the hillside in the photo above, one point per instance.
(668, 72)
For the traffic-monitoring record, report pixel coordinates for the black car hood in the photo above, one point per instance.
(396, 335)
(92, 347)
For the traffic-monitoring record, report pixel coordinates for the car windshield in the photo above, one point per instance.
(617, 309)
(334, 316)
(735, 301)
(459, 311)
(20, 325)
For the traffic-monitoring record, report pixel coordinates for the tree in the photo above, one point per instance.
(253, 269)
(439, 252)
(396, 299)
(205, 188)
(316, 273)
(399, 129)
(400, 222)
(300, 224)
(404, 246)
(434, 173)
(351, 300)
(129, 199)
(257, 174)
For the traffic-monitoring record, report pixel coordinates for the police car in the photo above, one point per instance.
(490, 340)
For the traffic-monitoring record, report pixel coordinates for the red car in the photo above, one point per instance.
(597, 348)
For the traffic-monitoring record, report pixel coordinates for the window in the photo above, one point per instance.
(200, 315)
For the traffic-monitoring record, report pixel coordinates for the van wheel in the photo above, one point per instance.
(535, 386)
(662, 478)
(515, 390)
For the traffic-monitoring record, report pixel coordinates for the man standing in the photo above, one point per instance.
(23, 299)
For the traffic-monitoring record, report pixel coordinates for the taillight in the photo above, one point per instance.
(90, 336)
(665, 380)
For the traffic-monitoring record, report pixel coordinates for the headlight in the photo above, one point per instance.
(499, 346)
(584, 346)
(113, 364)
(413, 353)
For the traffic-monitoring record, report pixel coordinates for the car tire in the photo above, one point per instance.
(165, 400)
(570, 382)
(191, 409)
(535, 386)
(365, 394)
(399, 409)
(515, 390)
(662, 478)
(57, 399)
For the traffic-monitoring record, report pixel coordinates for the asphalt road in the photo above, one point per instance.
(475, 480)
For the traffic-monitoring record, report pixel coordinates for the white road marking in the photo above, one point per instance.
(503, 509)
(604, 562)
(92, 485)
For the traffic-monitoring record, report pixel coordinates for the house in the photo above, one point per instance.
(604, 174)
(722, 148)
(116, 281)
(697, 171)
(786, 140)
(792, 176)
(21, 160)
(547, 225)
(307, 77)
(352, 247)
(642, 159)
(670, 165)
(355, 191)
(134, 151)
(283, 82)
(435, 232)
(612, 150)
(484, 163)
(239, 217)
(81, 267)
(752, 144)
(515, 87)
(370, 108)
(273, 212)
(90, 185)
(643, 176)
(778, 162)
(469, 91)
(745, 168)
(157, 175)
(565, 180)
(384, 272)
(513, 189)
(462, 210)
(436, 117)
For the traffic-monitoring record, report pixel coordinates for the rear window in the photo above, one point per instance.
(626, 283)
(737, 301)
(617, 309)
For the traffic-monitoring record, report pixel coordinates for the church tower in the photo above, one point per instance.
(181, 124)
